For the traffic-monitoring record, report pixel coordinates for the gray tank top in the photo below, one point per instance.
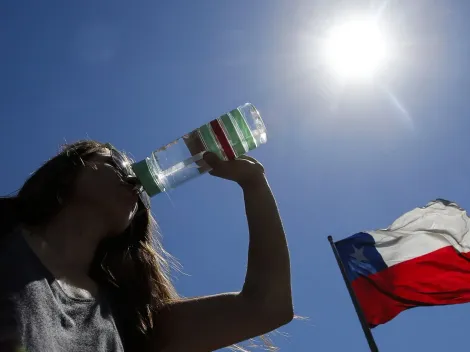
(36, 314)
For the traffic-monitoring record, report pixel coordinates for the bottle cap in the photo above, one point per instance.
(150, 183)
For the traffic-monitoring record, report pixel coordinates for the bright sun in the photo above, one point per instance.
(355, 49)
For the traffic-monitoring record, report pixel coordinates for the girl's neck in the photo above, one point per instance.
(67, 245)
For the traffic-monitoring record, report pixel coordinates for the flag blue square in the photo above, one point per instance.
(360, 256)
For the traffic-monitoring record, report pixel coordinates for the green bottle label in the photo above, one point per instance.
(244, 129)
(232, 134)
(208, 138)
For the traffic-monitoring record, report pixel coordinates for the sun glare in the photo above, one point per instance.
(355, 49)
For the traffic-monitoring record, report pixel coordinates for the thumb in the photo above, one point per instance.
(212, 160)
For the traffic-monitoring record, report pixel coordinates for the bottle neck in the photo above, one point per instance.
(148, 177)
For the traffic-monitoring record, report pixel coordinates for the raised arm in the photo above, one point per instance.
(264, 303)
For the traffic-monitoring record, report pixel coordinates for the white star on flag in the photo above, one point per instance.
(359, 254)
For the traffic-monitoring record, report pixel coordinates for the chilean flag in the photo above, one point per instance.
(422, 259)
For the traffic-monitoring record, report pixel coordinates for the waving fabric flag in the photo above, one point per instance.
(422, 259)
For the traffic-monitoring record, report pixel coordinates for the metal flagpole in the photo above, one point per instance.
(360, 314)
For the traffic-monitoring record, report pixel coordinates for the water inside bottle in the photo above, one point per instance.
(181, 160)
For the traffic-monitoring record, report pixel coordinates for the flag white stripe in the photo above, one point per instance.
(422, 231)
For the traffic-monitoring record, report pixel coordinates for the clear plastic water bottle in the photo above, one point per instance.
(229, 136)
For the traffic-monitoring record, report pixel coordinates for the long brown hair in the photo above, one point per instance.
(133, 268)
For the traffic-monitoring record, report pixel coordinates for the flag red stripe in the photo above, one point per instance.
(222, 138)
(438, 278)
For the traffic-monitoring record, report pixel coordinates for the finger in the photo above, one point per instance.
(212, 160)
(249, 158)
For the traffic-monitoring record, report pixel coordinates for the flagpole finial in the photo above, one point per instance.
(330, 239)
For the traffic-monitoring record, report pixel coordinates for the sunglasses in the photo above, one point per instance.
(123, 165)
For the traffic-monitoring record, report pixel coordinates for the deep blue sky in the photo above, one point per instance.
(340, 159)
